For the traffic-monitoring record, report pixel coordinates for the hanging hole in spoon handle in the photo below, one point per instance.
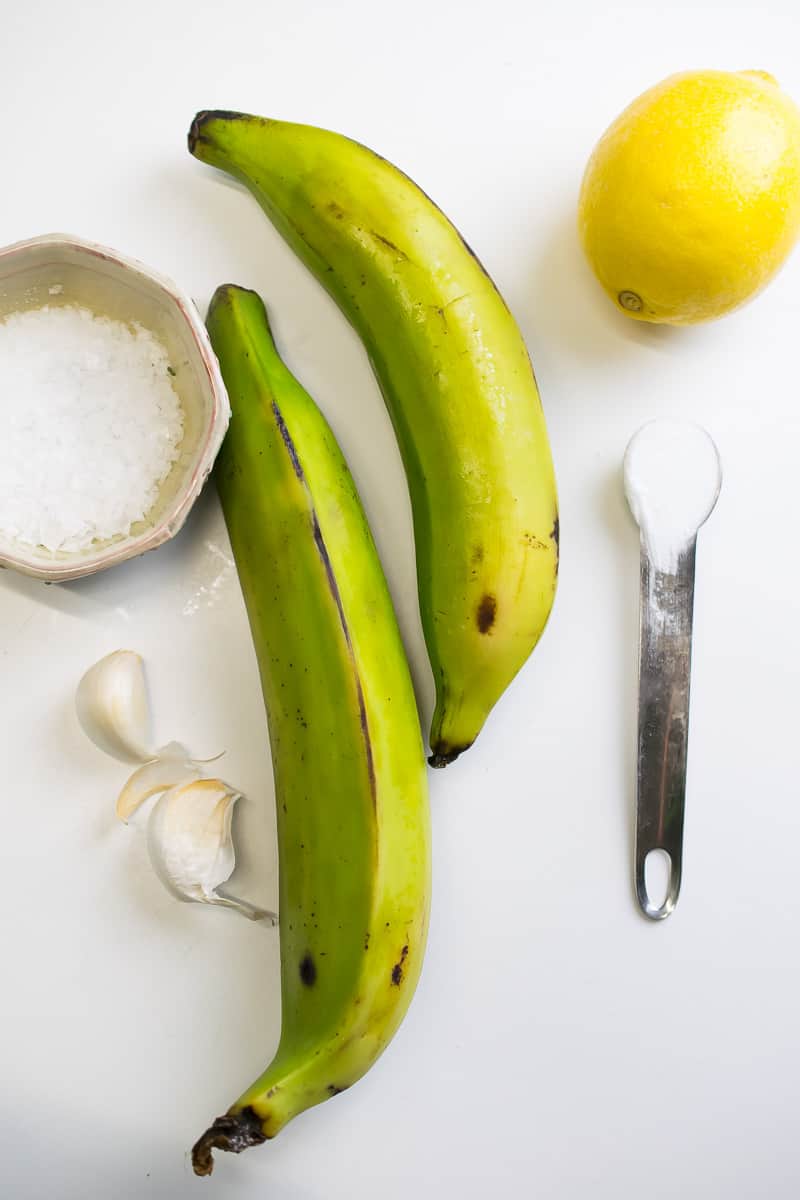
(669, 892)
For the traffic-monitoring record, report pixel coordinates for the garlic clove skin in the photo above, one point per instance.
(154, 777)
(113, 709)
(244, 907)
(178, 750)
(174, 750)
(190, 843)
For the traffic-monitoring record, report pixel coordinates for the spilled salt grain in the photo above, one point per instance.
(90, 425)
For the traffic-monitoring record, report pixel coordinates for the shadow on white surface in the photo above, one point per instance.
(108, 1160)
(115, 588)
(624, 548)
(569, 309)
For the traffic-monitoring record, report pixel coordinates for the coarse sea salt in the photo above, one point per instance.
(90, 425)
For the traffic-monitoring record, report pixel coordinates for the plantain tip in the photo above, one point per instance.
(195, 128)
(443, 755)
(201, 119)
(233, 1132)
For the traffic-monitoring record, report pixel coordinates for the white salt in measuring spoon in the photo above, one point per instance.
(672, 477)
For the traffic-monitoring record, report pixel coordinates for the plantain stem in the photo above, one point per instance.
(234, 1132)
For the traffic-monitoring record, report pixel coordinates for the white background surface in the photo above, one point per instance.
(559, 1046)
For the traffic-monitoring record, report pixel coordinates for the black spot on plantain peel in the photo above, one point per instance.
(308, 971)
(234, 1132)
(397, 969)
(486, 613)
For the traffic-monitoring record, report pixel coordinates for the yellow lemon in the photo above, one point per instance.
(691, 200)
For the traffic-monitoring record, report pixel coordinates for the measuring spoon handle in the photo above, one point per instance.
(665, 653)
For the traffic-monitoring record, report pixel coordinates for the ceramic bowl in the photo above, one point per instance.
(59, 269)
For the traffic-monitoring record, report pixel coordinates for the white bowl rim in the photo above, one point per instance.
(174, 519)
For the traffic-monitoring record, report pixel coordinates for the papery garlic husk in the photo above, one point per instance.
(113, 708)
(172, 767)
(191, 847)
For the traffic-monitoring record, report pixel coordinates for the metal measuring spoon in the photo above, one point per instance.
(672, 477)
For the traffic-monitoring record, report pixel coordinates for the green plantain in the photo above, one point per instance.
(350, 780)
(458, 383)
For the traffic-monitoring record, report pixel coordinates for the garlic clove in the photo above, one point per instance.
(113, 708)
(190, 843)
(156, 776)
